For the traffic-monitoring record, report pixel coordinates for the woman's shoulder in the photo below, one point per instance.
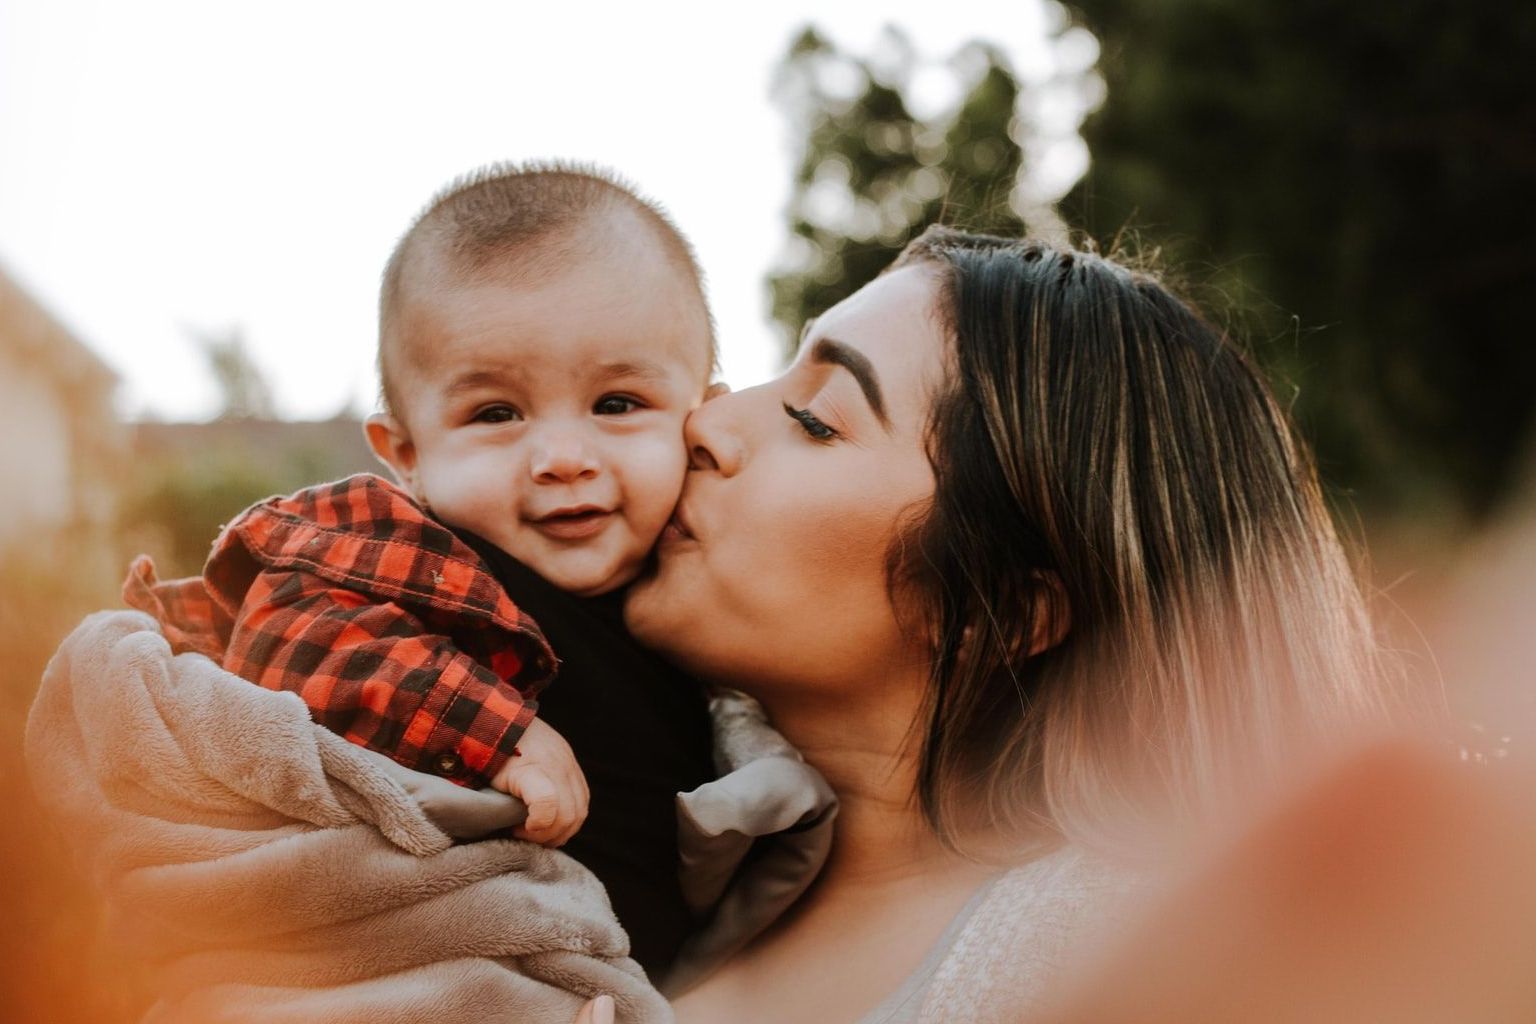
(1026, 927)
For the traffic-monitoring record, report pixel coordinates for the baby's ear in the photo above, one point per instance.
(392, 446)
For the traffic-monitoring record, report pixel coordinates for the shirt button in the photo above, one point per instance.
(448, 763)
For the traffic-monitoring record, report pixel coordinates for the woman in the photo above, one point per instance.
(1019, 553)
(1022, 555)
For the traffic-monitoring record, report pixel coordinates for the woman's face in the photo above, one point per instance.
(772, 576)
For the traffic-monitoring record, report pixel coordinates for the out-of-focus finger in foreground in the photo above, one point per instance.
(1398, 887)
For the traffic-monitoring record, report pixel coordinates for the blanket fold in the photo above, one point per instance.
(267, 870)
(751, 841)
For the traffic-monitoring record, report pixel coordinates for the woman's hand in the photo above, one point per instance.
(597, 1011)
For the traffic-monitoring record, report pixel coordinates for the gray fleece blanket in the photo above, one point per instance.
(269, 871)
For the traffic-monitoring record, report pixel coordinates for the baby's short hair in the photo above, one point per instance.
(512, 220)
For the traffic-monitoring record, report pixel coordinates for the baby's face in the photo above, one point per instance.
(547, 417)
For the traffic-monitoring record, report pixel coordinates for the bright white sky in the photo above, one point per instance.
(178, 165)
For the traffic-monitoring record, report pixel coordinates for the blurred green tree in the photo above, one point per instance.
(872, 174)
(177, 508)
(1360, 181)
(191, 478)
(243, 389)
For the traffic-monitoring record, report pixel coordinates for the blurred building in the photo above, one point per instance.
(62, 442)
(304, 451)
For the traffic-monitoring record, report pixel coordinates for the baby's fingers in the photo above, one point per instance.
(542, 795)
(577, 815)
(597, 1011)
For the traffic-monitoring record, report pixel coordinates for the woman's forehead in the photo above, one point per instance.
(894, 323)
(908, 292)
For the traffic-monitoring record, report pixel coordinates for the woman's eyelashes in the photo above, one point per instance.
(813, 427)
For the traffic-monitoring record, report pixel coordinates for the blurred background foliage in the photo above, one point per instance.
(189, 478)
(1361, 177)
(1350, 187)
(873, 174)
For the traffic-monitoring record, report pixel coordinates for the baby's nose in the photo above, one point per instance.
(562, 458)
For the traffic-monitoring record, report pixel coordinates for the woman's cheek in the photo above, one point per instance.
(816, 571)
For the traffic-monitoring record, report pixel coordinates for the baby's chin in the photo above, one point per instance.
(587, 581)
(639, 609)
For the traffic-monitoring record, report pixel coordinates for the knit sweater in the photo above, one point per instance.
(996, 960)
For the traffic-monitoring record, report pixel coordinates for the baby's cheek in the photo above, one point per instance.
(654, 472)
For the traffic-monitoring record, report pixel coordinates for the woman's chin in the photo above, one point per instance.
(647, 607)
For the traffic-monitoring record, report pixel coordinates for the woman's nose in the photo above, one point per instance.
(712, 434)
(561, 458)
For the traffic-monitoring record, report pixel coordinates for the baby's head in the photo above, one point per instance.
(543, 334)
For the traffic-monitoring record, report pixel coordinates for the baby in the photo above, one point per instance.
(543, 334)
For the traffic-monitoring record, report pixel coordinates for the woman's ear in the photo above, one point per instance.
(392, 446)
(1053, 613)
(1051, 622)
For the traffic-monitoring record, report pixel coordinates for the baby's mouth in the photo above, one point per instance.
(574, 523)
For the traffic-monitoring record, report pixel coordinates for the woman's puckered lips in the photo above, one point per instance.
(678, 527)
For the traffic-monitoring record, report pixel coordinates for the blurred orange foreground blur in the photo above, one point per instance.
(1400, 888)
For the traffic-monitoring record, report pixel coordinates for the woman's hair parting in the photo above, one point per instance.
(1135, 589)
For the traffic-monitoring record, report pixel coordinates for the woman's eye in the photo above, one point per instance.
(497, 414)
(813, 427)
(615, 405)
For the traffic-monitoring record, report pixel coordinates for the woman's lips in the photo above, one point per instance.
(676, 529)
(575, 524)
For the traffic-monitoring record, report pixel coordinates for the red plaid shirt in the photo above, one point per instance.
(391, 628)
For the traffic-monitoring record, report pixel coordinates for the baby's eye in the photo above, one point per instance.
(499, 413)
(615, 405)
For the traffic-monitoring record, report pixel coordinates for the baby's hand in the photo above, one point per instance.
(543, 774)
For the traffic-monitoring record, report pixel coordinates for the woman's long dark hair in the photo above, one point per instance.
(1113, 474)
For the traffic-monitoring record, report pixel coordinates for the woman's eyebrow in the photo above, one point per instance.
(835, 352)
(805, 331)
